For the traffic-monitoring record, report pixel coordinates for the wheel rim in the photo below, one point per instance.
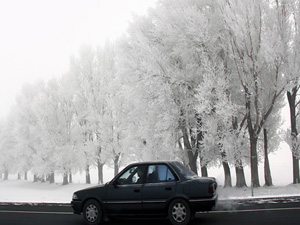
(91, 213)
(179, 212)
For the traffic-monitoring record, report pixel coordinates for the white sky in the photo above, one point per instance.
(37, 37)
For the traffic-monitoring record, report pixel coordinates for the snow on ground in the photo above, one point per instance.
(27, 191)
(261, 192)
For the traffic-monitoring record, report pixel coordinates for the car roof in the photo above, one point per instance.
(153, 162)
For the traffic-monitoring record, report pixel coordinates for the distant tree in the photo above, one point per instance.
(83, 76)
(25, 125)
(99, 121)
(8, 163)
(54, 128)
(111, 131)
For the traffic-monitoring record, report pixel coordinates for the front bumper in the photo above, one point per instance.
(77, 206)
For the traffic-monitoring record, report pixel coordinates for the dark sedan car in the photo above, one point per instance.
(148, 189)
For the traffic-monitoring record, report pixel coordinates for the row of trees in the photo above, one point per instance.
(197, 81)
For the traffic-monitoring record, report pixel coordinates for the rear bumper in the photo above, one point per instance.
(77, 206)
(201, 204)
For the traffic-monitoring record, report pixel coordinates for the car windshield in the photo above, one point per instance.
(186, 172)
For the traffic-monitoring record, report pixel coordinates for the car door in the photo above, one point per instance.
(124, 195)
(160, 185)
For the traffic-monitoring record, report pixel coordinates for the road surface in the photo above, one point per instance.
(257, 211)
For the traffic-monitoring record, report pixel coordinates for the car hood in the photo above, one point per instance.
(91, 191)
(91, 188)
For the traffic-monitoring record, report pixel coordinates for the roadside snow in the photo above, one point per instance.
(27, 191)
(20, 191)
(261, 192)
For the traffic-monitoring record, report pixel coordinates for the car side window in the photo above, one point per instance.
(159, 173)
(134, 175)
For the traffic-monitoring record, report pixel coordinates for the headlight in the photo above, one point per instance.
(75, 197)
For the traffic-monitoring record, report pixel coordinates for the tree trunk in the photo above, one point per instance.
(35, 178)
(227, 182)
(203, 164)
(116, 164)
(6, 175)
(70, 178)
(240, 177)
(204, 172)
(239, 169)
(268, 177)
(253, 143)
(65, 180)
(51, 178)
(254, 162)
(192, 155)
(100, 172)
(292, 103)
(296, 170)
(25, 176)
(87, 175)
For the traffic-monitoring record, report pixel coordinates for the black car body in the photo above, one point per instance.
(148, 189)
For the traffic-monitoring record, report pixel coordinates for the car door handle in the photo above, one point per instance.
(137, 190)
(168, 188)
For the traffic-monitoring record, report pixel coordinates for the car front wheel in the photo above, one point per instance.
(92, 212)
(179, 212)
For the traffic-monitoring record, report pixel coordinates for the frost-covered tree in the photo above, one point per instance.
(25, 126)
(215, 122)
(100, 120)
(112, 124)
(83, 76)
(221, 141)
(289, 12)
(54, 128)
(256, 65)
(8, 162)
(168, 49)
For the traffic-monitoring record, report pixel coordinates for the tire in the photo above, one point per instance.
(179, 212)
(92, 212)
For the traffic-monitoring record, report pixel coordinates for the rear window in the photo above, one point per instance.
(186, 172)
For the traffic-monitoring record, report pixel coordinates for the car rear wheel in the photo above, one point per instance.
(179, 212)
(92, 212)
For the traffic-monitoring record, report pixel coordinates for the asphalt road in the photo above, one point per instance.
(257, 211)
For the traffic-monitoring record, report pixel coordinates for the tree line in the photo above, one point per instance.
(202, 82)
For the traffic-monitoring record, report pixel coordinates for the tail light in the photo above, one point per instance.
(212, 188)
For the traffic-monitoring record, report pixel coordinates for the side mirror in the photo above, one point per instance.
(115, 183)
